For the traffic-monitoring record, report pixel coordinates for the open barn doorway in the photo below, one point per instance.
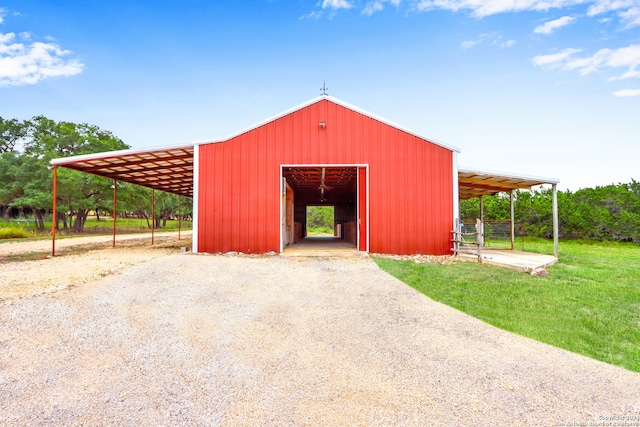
(321, 221)
(336, 189)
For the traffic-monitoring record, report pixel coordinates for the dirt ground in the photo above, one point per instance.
(141, 335)
(27, 268)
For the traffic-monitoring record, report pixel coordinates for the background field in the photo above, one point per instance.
(24, 228)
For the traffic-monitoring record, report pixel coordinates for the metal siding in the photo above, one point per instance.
(260, 221)
(410, 196)
(272, 188)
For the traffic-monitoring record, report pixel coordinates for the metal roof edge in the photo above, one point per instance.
(343, 104)
(392, 124)
(273, 118)
(544, 180)
(128, 151)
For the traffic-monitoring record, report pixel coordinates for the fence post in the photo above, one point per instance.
(479, 239)
(511, 203)
(456, 237)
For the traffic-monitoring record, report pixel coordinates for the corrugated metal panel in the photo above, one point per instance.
(410, 181)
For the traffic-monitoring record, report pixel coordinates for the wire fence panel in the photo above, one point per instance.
(497, 234)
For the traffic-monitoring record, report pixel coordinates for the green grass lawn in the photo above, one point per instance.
(589, 303)
(315, 231)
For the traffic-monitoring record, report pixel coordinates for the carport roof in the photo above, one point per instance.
(168, 169)
(474, 183)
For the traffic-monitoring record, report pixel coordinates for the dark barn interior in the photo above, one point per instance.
(324, 186)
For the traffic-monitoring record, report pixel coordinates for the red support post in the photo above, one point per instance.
(114, 213)
(153, 213)
(54, 215)
(179, 217)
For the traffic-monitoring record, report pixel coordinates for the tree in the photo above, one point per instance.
(78, 193)
(138, 200)
(11, 132)
(320, 217)
(27, 184)
(610, 212)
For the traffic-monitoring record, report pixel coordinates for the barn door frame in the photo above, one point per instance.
(362, 198)
(362, 208)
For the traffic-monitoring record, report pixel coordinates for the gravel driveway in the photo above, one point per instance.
(189, 339)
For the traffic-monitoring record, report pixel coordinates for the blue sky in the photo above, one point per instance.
(546, 88)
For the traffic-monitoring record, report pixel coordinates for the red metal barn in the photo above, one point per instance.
(392, 190)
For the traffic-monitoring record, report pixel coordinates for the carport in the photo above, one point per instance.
(167, 169)
(475, 183)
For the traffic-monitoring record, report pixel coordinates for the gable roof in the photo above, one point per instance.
(345, 105)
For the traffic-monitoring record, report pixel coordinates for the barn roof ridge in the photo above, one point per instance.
(344, 104)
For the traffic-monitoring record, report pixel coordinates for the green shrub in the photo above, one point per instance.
(13, 233)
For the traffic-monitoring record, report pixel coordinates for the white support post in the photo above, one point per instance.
(196, 198)
(481, 235)
(555, 220)
(456, 196)
(513, 231)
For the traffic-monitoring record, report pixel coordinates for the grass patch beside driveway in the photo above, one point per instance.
(588, 304)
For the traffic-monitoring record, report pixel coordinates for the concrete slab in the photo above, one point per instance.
(322, 246)
(525, 262)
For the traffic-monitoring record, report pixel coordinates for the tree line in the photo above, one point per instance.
(610, 212)
(26, 180)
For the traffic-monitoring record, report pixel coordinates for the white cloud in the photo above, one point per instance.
(551, 26)
(588, 64)
(491, 38)
(626, 57)
(6, 38)
(336, 4)
(373, 7)
(467, 44)
(627, 10)
(312, 15)
(604, 6)
(603, 60)
(508, 43)
(377, 5)
(627, 92)
(482, 8)
(554, 59)
(22, 64)
(631, 17)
